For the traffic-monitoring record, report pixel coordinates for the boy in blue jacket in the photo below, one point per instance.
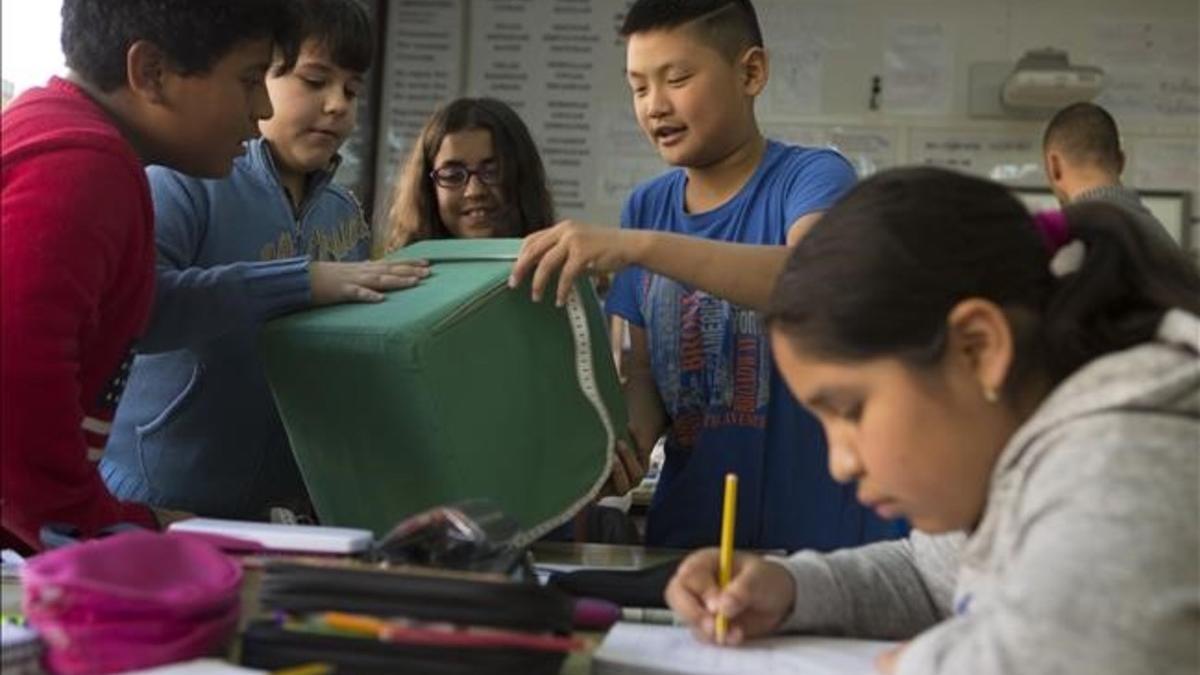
(198, 429)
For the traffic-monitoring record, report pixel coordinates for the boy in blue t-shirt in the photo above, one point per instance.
(197, 429)
(701, 247)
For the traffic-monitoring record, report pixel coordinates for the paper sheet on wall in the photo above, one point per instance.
(918, 68)
(627, 157)
(811, 135)
(1008, 157)
(619, 131)
(1166, 164)
(507, 58)
(794, 87)
(631, 648)
(822, 24)
(617, 176)
(869, 149)
(1150, 68)
(423, 57)
(799, 36)
(551, 60)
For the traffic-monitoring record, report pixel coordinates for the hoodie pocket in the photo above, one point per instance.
(150, 445)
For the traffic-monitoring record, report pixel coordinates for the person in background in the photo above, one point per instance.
(965, 386)
(198, 428)
(1082, 155)
(170, 82)
(701, 247)
(474, 172)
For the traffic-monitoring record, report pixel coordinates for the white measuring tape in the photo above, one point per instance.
(585, 374)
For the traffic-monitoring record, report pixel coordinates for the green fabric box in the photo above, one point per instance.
(459, 388)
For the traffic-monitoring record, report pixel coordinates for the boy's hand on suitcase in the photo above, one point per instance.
(336, 282)
(627, 471)
(570, 249)
(757, 600)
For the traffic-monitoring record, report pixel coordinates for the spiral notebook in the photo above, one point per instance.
(643, 649)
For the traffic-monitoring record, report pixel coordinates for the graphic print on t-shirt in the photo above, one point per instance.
(710, 359)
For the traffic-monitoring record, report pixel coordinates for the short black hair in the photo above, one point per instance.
(194, 34)
(1086, 133)
(343, 28)
(729, 26)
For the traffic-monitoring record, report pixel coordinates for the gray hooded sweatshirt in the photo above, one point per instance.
(1087, 559)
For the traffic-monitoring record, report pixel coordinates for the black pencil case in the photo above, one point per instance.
(409, 593)
(628, 588)
(265, 644)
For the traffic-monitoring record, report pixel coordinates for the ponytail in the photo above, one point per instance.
(1126, 281)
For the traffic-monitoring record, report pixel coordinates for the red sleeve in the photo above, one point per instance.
(67, 218)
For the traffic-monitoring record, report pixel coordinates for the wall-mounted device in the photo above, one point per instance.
(1042, 81)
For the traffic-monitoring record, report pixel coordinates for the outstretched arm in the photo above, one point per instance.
(743, 274)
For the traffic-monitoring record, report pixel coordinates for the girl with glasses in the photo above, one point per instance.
(474, 172)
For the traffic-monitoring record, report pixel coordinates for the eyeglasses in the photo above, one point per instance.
(454, 176)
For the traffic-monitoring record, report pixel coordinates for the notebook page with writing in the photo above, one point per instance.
(642, 649)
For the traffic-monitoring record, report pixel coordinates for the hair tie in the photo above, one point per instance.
(1052, 225)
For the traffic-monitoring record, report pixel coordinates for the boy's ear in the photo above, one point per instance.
(754, 67)
(146, 71)
(1054, 166)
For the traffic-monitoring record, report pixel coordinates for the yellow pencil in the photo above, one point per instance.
(306, 669)
(353, 623)
(725, 573)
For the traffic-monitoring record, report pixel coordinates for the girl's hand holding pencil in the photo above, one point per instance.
(757, 600)
(727, 597)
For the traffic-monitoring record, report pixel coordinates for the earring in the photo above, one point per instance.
(990, 395)
(843, 465)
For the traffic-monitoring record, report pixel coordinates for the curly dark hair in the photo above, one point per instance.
(342, 27)
(194, 34)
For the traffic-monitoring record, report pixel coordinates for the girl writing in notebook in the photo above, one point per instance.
(1040, 429)
(474, 172)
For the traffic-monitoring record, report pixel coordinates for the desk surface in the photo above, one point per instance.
(597, 555)
(609, 556)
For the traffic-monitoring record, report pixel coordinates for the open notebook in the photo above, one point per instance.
(644, 649)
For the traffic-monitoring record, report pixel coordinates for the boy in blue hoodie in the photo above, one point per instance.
(197, 429)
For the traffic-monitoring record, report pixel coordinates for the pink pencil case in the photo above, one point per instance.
(131, 600)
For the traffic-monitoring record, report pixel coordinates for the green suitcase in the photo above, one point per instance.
(459, 388)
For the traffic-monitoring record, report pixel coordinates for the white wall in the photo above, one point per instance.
(30, 51)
